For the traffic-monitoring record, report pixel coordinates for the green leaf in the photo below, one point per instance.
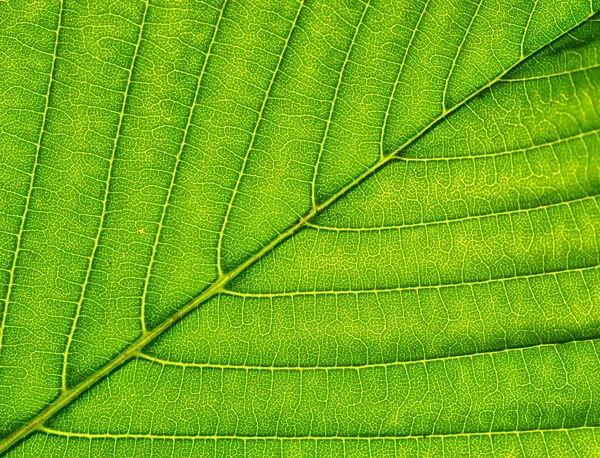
(316, 228)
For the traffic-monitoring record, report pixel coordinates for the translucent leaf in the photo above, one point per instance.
(316, 228)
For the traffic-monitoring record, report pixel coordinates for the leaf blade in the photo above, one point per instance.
(216, 287)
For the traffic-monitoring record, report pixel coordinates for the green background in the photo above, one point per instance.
(385, 215)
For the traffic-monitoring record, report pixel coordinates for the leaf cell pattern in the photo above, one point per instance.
(299, 228)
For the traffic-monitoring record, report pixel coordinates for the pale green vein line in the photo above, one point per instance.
(338, 85)
(579, 136)
(550, 75)
(37, 422)
(439, 359)
(526, 29)
(99, 231)
(13, 267)
(177, 166)
(457, 55)
(253, 139)
(216, 437)
(484, 216)
(397, 80)
(409, 288)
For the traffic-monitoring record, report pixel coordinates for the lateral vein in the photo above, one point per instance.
(89, 269)
(253, 139)
(436, 359)
(177, 165)
(216, 437)
(15, 259)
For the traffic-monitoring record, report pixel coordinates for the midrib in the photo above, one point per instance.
(38, 421)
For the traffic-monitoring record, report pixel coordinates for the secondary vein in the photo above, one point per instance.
(184, 141)
(333, 103)
(423, 360)
(89, 268)
(36, 165)
(253, 139)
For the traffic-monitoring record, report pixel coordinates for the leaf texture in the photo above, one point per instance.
(315, 228)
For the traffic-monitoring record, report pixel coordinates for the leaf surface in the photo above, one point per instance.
(362, 228)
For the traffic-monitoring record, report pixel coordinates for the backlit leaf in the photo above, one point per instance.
(315, 228)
